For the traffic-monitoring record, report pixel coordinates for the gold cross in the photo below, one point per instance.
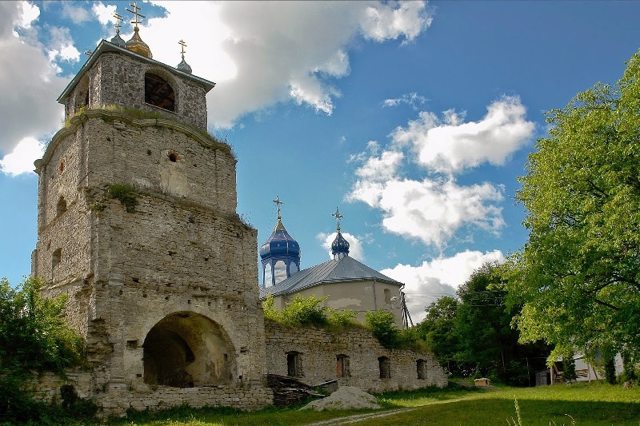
(338, 217)
(278, 203)
(182, 46)
(118, 23)
(136, 14)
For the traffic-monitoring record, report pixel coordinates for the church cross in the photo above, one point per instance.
(278, 203)
(136, 14)
(338, 217)
(182, 46)
(118, 23)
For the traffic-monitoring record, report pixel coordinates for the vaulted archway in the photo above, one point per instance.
(186, 349)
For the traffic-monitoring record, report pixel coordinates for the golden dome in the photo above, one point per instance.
(135, 44)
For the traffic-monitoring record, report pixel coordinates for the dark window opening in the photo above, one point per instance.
(343, 368)
(56, 258)
(385, 367)
(294, 364)
(158, 92)
(61, 207)
(61, 167)
(173, 157)
(421, 366)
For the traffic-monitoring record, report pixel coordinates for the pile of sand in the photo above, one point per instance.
(345, 398)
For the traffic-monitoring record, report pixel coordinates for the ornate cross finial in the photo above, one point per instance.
(182, 46)
(338, 217)
(278, 203)
(118, 23)
(136, 14)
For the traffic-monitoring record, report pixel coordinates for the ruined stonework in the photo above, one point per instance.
(137, 223)
(353, 356)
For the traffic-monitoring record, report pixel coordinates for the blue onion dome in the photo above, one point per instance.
(118, 41)
(280, 243)
(340, 246)
(184, 66)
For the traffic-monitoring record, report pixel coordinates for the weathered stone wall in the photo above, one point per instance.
(246, 396)
(319, 348)
(118, 79)
(182, 252)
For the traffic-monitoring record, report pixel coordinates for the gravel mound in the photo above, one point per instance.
(345, 398)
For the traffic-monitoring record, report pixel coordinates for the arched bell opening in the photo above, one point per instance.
(186, 349)
(158, 92)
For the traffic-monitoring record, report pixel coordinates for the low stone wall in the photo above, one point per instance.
(116, 399)
(317, 353)
(46, 386)
(244, 397)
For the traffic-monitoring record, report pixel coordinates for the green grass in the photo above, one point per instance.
(227, 416)
(587, 404)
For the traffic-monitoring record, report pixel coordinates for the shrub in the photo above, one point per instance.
(34, 337)
(125, 193)
(303, 311)
(382, 325)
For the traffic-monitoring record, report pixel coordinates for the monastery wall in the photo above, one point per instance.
(318, 350)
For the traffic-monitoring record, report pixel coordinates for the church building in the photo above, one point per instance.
(137, 225)
(342, 282)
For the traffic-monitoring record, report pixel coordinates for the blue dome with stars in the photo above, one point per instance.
(280, 243)
(339, 246)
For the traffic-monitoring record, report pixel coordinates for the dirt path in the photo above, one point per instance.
(359, 417)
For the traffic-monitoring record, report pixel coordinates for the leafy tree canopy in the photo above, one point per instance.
(579, 274)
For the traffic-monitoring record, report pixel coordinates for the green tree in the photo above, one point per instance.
(437, 330)
(578, 275)
(34, 337)
(483, 323)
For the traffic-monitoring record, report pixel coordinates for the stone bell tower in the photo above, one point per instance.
(137, 224)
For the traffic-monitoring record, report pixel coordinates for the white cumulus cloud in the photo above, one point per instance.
(355, 244)
(450, 145)
(427, 282)
(21, 159)
(431, 210)
(434, 208)
(28, 81)
(413, 99)
(395, 19)
(75, 13)
(104, 13)
(61, 45)
(262, 53)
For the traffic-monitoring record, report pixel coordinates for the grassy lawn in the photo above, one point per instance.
(587, 404)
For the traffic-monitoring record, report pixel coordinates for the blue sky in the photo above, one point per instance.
(415, 119)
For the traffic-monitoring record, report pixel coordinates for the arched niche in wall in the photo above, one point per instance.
(186, 349)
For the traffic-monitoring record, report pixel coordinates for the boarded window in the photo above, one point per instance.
(56, 258)
(421, 366)
(294, 364)
(387, 296)
(342, 366)
(384, 365)
(158, 92)
(61, 207)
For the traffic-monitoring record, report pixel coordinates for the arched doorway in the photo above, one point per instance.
(186, 349)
